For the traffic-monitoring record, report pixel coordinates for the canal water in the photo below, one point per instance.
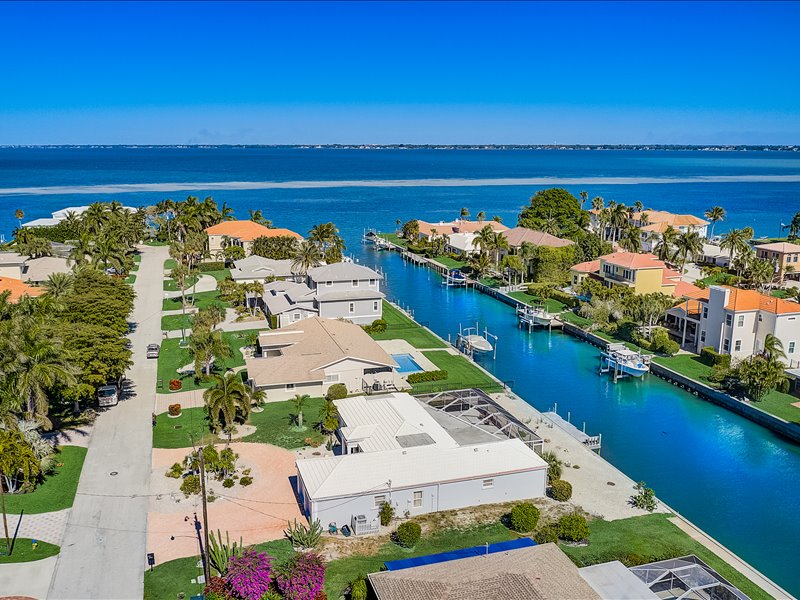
(734, 479)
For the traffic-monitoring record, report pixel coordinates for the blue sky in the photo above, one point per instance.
(573, 72)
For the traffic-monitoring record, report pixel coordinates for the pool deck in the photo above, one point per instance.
(403, 347)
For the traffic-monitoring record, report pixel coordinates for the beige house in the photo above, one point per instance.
(242, 234)
(309, 356)
(785, 257)
(446, 228)
(12, 265)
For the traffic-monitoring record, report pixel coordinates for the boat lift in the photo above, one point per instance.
(621, 361)
(470, 341)
(454, 278)
(531, 317)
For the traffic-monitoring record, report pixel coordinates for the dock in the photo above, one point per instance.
(593, 442)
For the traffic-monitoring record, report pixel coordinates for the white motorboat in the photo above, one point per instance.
(621, 360)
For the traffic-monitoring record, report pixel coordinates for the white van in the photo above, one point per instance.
(107, 395)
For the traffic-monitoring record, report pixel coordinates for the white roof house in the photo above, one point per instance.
(62, 214)
(395, 451)
(258, 268)
(462, 243)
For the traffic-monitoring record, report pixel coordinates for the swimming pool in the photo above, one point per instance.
(407, 363)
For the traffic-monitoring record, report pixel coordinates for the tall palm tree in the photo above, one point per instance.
(258, 217)
(689, 245)
(226, 401)
(773, 348)
(584, 197)
(19, 214)
(760, 273)
(714, 214)
(481, 217)
(306, 257)
(299, 402)
(464, 213)
(498, 243)
(665, 245)
(527, 252)
(480, 264)
(206, 345)
(108, 252)
(226, 212)
(484, 238)
(734, 241)
(618, 219)
(632, 239)
(597, 203)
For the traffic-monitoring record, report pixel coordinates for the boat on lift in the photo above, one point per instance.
(622, 361)
(471, 341)
(531, 316)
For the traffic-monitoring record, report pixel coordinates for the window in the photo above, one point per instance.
(296, 316)
(760, 317)
(703, 336)
(791, 347)
(352, 307)
(289, 387)
(417, 499)
(354, 449)
(728, 320)
(705, 312)
(328, 284)
(740, 321)
(375, 306)
(737, 345)
(372, 282)
(488, 484)
(379, 500)
(331, 378)
(726, 345)
(355, 282)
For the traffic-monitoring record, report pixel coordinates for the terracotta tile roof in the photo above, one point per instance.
(632, 260)
(517, 235)
(18, 289)
(458, 226)
(689, 290)
(592, 266)
(662, 216)
(783, 247)
(746, 300)
(248, 230)
(669, 276)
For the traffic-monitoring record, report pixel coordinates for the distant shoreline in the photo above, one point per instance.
(584, 147)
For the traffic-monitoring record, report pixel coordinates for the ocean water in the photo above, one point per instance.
(734, 479)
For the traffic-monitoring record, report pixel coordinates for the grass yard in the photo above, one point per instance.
(639, 540)
(131, 279)
(689, 365)
(780, 404)
(401, 327)
(218, 274)
(170, 285)
(274, 424)
(461, 373)
(22, 551)
(200, 300)
(491, 282)
(574, 318)
(184, 431)
(781, 294)
(170, 264)
(394, 238)
(341, 572)
(552, 305)
(175, 322)
(450, 263)
(172, 578)
(173, 357)
(58, 490)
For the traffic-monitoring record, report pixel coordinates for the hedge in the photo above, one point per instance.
(210, 266)
(713, 358)
(337, 391)
(424, 376)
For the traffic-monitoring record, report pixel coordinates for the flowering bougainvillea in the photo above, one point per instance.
(249, 575)
(302, 577)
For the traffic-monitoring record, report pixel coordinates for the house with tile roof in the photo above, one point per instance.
(242, 234)
(784, 255)
(16, 288)
(736, 322)
(654, 222)
(446, 228)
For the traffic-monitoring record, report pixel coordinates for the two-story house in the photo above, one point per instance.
(785, 257)
(336, 291)
(736, 322)
(242, 234)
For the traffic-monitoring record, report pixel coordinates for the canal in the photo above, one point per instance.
(734, 479)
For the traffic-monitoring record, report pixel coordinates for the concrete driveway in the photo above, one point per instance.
(104, 546)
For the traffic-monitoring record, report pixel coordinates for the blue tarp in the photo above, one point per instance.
(430, 559)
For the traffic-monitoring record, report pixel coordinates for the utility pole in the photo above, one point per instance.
(5, 518)
(205, 516)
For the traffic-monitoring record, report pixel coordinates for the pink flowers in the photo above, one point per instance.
(302, 578)
(250, 574)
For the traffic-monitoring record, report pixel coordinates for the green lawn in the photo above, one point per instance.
(400, 327)
(552, 305)
(22, 551)
(781, 294)
(574, 318)
(450, 263)
(492, 282)
(170, 264)
(780, 404)
(461, 373)
(58, 490)
(131, 278)
(218, 274)
(394, 238)
(172, 357)
(184, 431)
(201, 300)
(639, 540)
(137, 258)
(689, 365)
(168, 580)
(342, 571)
(170, 285)
(275, 424)
(175, 322)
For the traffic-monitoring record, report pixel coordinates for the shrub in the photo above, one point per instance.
(377, 326)
(174, 409)
(175, 471)
(408, 534)
(386, 513)
(644, 498)
(358, 588)
(524, 517)
(302, 577)
(424, 376)
(554, 465)
(249, 574)
(560, 490)
(272, 595)
(245, 481)
(217, 589)
(547, 534)
(175, 384)
(337, 391)
(302, 536)
(662, 343)
(220, 553)
(719, 373)
(210, 266)
(228, 483)
(573, 528)
(190, 485)
(712, 358)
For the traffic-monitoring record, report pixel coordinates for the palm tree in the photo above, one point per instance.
(632, 240)
(773, 348)
(760, 273)
(664, 247)
(58, 285)
(258, 217)
(734, 241)
(226, 212)
(498, 242)
(550, 225)
(19, 214)
(597, 203)
(638, 206)
(584, 197)
(18, 463)
(527, 252)
(206, 345)
(689, 245)
(497, 219)
(108, 252)
(464, 213)
(481, 217)
(329, 417)
(714, 214)
(306, 257)
(618, 218)
(480, 264)
(299, 402)
(794, 226)
(484, 238)
(227, 400)
(513, 265)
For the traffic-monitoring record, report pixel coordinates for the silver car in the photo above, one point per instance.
(152, 351)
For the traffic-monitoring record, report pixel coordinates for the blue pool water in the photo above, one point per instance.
(407, 363)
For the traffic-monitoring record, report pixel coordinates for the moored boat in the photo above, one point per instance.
(621, 360)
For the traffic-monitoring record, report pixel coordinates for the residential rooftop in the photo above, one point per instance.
(740, 300)
(517, 235)
(249, 230)
(18, 288)
(342, 271)
(782, 247)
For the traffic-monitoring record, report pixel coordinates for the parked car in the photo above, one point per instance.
(152, 350)
(107, 395)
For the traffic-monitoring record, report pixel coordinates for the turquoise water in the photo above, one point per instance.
(734, 479)
(406, 363)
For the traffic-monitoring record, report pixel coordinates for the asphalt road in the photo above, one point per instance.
(103, 553)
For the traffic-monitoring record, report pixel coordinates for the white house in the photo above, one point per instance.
(59, 215)
(462, 244)
(309, 356)
(735, 321)
(12, 265)
(336, 291)
(257, 268)
(397, 453)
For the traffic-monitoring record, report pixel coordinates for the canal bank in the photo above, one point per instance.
(706, 462)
